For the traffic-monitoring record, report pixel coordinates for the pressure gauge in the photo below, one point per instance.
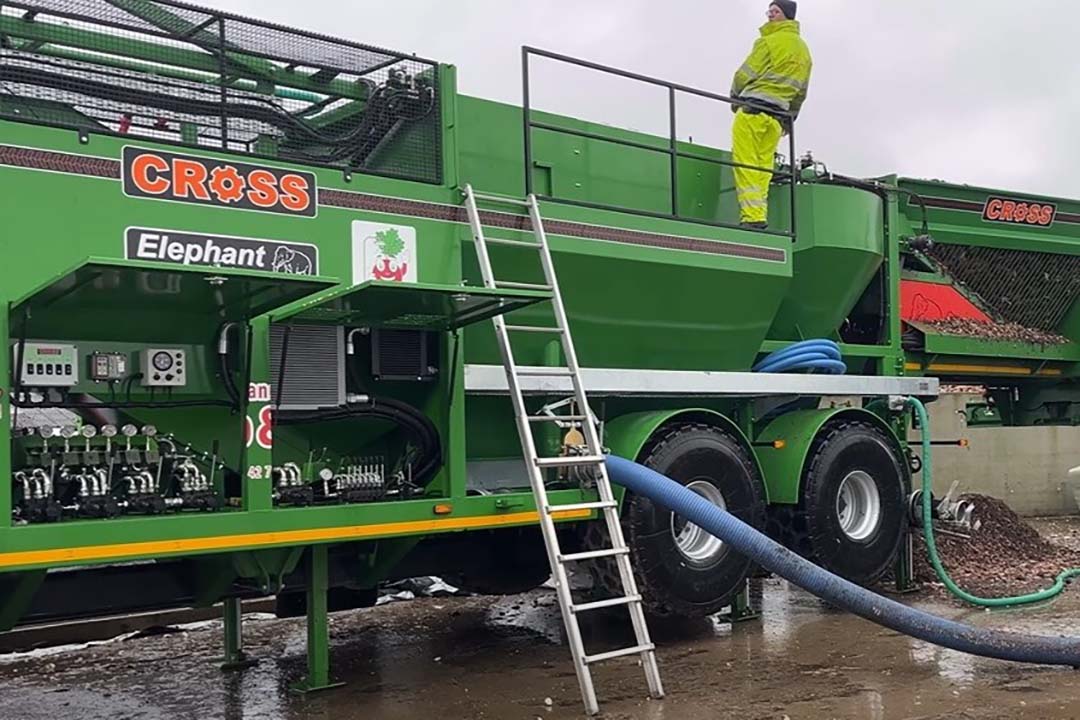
(164, 367)
(326, 474)
(162, 361)
(48, 431)
(69, 431)
(88, 431)
(149, 430)
(129, 431)
(108, 431)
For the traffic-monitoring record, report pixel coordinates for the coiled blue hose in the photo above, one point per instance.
(842, 593)
(822, 355)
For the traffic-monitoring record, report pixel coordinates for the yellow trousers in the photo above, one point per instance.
(754, 141)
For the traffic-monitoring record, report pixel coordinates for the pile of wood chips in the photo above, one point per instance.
(1004, 556)
(1000, 331)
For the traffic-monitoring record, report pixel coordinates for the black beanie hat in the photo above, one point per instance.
(788, 7)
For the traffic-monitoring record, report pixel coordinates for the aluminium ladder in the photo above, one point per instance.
(592, 459)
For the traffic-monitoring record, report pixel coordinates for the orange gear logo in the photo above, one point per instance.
(227, 184)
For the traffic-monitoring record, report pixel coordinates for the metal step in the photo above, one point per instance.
(594, 554)
(570, 461)
(636, 650)
(534, 329)
(609, 603)
(513, 243)
(501, 199)
(512, 285)
(557, 418)
(575, 507)
(544, 372)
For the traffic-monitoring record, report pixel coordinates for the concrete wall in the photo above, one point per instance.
(1026, 467)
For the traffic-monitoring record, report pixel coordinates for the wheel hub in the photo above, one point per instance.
(858, 505)
(695, 544)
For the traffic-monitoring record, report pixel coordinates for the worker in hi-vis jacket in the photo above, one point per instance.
(773, 82)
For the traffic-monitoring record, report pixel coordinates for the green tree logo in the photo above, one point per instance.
(389, 242)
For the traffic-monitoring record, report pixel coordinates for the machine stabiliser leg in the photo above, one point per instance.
(318, 630)
(743, 608)
(235, 657)
(905, 565)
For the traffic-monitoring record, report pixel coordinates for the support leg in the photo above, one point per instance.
(318, 631)
(743, 609)
(235, 657)
(905, 565)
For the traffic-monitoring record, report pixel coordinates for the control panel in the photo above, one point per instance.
(164, 367)
(48, 364)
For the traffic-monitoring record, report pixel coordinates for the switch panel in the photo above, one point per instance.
(48, 364)
(108, 366)
(164, 367)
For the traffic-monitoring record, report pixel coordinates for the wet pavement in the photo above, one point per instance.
(451, 658)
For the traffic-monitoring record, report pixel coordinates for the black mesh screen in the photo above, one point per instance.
(182, 74)
(1034, 289)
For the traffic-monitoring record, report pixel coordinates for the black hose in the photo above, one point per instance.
(882, 189)
(223, 365)
(395, 411)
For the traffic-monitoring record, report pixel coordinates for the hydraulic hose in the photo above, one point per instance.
(931, 546)
(395, 411)
(820, 354)
(842, 593)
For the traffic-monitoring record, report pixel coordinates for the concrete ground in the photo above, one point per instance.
(452, 658)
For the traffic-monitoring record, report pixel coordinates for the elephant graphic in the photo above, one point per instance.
(287, 260)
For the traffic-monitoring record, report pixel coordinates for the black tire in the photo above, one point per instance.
(847, 449)
(672, 583)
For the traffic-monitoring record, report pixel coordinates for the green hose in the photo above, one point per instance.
(931, 547)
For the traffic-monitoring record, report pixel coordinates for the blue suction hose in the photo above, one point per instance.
(814, 355)
(842, 593)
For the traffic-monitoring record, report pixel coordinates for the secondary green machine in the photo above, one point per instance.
(251, 344)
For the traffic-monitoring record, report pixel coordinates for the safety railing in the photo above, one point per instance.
(672, 147)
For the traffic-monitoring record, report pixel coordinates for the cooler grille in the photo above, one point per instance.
(314, 366)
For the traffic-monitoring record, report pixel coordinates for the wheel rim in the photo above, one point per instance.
(695, 544)
(858, 505)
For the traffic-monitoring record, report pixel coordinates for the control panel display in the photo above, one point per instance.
(48, 364)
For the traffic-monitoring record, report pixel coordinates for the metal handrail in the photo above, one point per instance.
(671, 150)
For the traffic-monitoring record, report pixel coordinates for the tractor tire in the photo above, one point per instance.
(852, 509)
(682, 571)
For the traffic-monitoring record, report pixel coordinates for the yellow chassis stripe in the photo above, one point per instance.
(984, 369)
(160, 548)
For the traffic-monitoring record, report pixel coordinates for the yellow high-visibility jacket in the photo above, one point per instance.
(778, 69)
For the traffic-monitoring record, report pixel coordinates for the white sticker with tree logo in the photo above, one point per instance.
(383, 252)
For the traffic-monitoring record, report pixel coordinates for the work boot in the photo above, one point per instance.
(755, 225)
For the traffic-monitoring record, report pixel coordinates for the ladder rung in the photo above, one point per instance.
(501, 199)
(522, 285)
(601, 505)
(534, 329)
(513, 243)
(610, 602)
(636, 650)
(570, 461)
(557, 418)
(544, 372)
(594, 554)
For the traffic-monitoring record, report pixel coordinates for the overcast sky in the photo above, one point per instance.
(986, 93)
